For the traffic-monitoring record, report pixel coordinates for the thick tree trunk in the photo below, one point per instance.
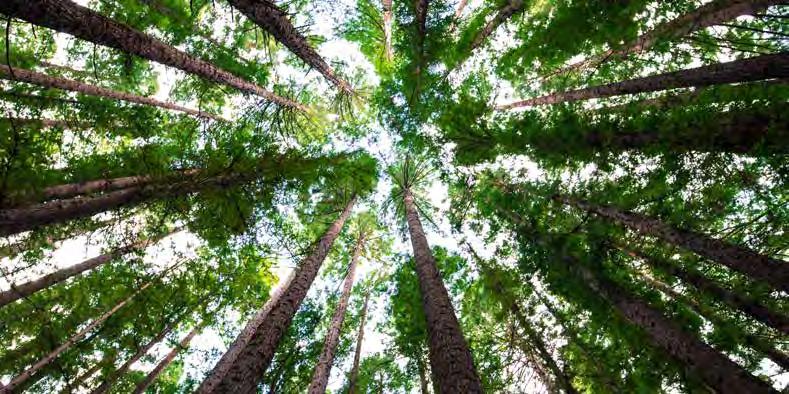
(47, 81)
(247, 370)
(105, 385)
(242, 340)
(270, 18)
(701, 360)
(320, 377)
(387, 16)
(49, 358)
(17, 292)
(505, 13)
(352, 381)
(741, 259)
(450, 359)
(70, 18)
(151, 377)
(709, 14)
(753, 69)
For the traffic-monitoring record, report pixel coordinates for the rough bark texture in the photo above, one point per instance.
(748, 262)
(712, 366)
(107, 383)
(511, 8)
(270, 18)
(247, 370)
(450, 359)
(151, 377)
(320, 377)
(70, 18)
(387, 16)
(49, 358)
(47, 81)
(753, 69)
(354, 376)
(241, 341)
(17, 292)
(710, 14)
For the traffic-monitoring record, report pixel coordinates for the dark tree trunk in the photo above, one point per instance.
(352, 381)
(450, 359)
(741, 259)
(247, 370)
(387, 16)
(320, 377)
(47, 81)
(151, 377)
(753, 69)
(270, 18)
(505, 13)
(70, 18)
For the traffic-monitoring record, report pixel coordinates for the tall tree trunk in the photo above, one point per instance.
(107, 383)
(247, 370)
(387, 16)
(48, 81)
(70, 18)
(420, 19)
(76, 385)
(709, 14)
(420, 365)
(352, 381)
(49, 358)
(505, 13)
(17, 292)
(751, 307)
(242, 340)
(151, 377)
(270, 18)
(450, 359)
(51, 241)
(320, 377)
(745, 70)
(741, 259)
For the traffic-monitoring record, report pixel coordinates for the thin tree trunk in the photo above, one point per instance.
(27, 289)
(352, 381)
(48, 81)
(320, 377)
(420, 365)
(450, 359)
(242, 340)
(247, 370)
(270, 18)
(70, 18)
(387, 16)
(420, 16)
(151, 377)
(745, 70)
(76, 385)
(709, 14)
(505, 13)
(741, 259)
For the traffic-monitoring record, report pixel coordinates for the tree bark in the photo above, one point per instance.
(151, 377)
(352, 381)
(753, 69)
(70, 18)
(48, 81)
(741, 259)
(420, 365)
(320, 377)
(450, 359)
(248, 368)
(387, 16)
(505, 13)
(709, 14)
(242, 340)
(24, 290)
(270, 18)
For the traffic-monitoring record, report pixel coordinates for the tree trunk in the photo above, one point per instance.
(741, 259)
(701, 360)
(753, 69)
(505, 13)
(252, 361)
(24, 290)
(751, 307)
(420, 365)
(53, 241)
(352, 381)
(709, 14)
(151, 377)
(76, 385)
(70, 18)
(49, 358)
(270, 18)
(242, 340)
(320, 377)
(387, 16)
(47, 81)
(105, 385)
(450, 359)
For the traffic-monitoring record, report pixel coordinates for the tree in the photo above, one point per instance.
(354, 375)
(166, 361)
